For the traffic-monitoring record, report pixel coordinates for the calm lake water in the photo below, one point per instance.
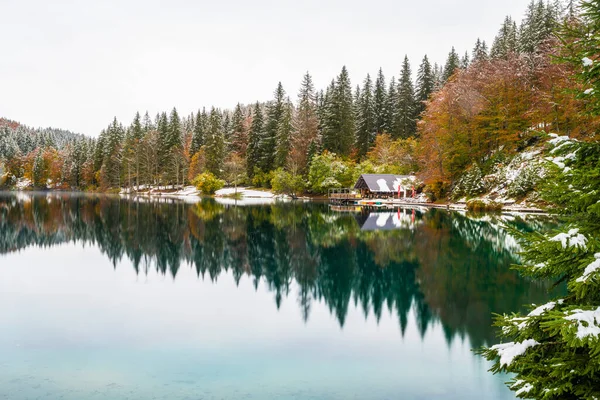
(104, 298)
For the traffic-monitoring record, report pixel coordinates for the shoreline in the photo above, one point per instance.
(190, 193)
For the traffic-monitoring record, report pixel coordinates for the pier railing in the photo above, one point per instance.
(343, 195)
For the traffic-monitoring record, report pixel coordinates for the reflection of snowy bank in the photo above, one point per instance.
(246, 197)
(243, 192)
(249, 201)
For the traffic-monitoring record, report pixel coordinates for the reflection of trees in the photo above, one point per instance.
(447, 268)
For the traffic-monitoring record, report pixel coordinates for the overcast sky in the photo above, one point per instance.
(76, 64)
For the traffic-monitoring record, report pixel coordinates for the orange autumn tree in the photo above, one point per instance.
(497, 107)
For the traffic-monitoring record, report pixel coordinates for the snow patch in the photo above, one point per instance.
(587, 62)
(570, 239)
(508, 351)
(383, 186)
(591, 318)
(541, 309)
(590, 269)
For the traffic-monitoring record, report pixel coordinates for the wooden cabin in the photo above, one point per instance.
(385, 186)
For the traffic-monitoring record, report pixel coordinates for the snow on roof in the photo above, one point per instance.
(382, 183)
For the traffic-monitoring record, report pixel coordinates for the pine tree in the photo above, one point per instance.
(365, 120)
(39, 171)
(338, 116)
(505, 43)
(480, 51)
(254, 138)
(239, 132)
(112, 154)
(268, 141)
(391, 107)
(380, 103)
(200, 128)
(464, 61)
(552, 352)
(215, 143)
(425, 85)
(538, 24)
(406, 112)
(284, 135)
(452, 64)
(306, 124)
(175, 147)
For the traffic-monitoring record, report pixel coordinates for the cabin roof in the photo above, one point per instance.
(381, 183)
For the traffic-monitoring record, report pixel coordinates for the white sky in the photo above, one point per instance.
(76, 64)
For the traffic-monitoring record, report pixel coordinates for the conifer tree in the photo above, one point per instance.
(365, 120)
(306, 124)
(284, 135)
(112, 154)
(380, 103)
(239, 132)
(338, 118)
(480, 51)
(215, 143)
(553, 350)
(268, 143)
(425, 85)
(464, 61)
(406, 112)
(391, 107)
(200, 128)
(254, 138)
(175, 147)
(505, 43)
(39, 171)
(452, 63)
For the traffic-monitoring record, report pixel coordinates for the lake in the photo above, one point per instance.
(108, 298)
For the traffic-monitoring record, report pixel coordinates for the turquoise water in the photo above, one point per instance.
(105, 298)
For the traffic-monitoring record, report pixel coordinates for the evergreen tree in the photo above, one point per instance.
(338, 120)
(215, 143)
(254, 138)
(505, 42)
(162, 126)
(452, 64)
(464, 61)
(552, 352)
(239, 135)
(306, 123)
(406, 113)
(380, 104)
(391, 107)
(175, 148)
(538, 24)
(425, 85)
(284, 135)
(112, 154)
(38, 173)
(147, 124)
(480, 51)
(268, 141)
(365, 120)
(200, 128)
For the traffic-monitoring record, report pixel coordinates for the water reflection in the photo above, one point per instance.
(448, 268)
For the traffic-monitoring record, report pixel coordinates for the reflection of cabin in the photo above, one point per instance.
(387, 220)
(384, 185)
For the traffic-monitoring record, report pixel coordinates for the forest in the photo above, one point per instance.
(473, 112)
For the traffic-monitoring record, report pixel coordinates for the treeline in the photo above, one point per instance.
(473, 108)
(432, 269)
